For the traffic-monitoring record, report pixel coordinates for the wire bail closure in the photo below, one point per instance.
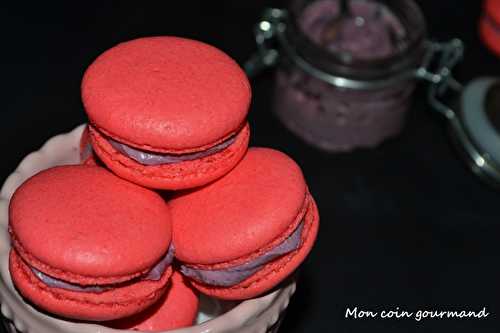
(265, 31)
(272, 43)
(447, 56)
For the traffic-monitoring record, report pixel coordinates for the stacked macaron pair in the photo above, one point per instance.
(89, 245)
(168, 202)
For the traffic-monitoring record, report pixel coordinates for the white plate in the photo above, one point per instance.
(257, 315)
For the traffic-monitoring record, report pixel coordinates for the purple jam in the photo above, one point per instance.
(340, 119)
(151, 158)
(154, 275)
(368, 31)
(234, 275)
(86, 152)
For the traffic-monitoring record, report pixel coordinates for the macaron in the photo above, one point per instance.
(167, 112)
(89, 245)
(240, 236)
(489, 25)
(177, 308)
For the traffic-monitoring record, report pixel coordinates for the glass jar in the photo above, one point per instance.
(345, 78)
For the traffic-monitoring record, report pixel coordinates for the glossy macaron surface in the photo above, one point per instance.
(242, 235)
(245, 211)
(166, 94)
(85, 225)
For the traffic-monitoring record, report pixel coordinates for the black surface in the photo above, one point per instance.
(405, 225)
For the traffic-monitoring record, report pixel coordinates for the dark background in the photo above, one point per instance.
(405, 225)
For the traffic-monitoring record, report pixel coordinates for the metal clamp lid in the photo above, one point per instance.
(265, 32)
(271, 41)
(448, 55)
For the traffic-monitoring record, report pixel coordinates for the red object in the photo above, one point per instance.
(167, 95)
(489, 25)
(244, 214)
(177, 308)
(85, 226)
(173, 176)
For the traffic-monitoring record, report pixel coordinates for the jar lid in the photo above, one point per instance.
(479, 116)
(397, 20)
(476, 127)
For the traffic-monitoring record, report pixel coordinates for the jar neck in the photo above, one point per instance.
(406, 11)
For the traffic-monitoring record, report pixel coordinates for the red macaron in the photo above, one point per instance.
(489, 25)
(89, 245)
(240, 236)
(167, 112)
(177, 308)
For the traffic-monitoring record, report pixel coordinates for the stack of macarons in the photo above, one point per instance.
(168, 201)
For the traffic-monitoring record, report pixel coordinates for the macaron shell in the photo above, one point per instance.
(85, 225)
(490, 35)
(492, 8)
(166, 94)
(249, 209)
(177, 308)
(175, 176)
(274, 272)
(115, 303)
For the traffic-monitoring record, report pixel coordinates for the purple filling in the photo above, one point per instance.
(157, 271)
(336, 119)
(370, 31)
(150, 158)
(154, 275)
(86, 152)
(56, 283)
(230, 276)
